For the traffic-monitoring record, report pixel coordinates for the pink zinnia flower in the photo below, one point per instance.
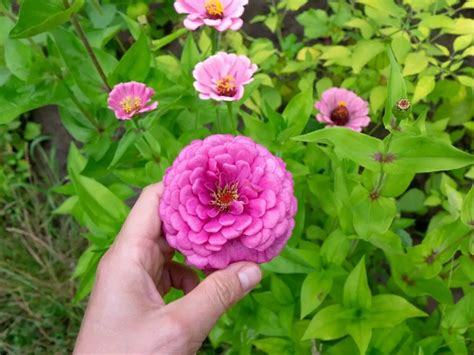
(227, 199)
(221, 14)
(130, 99)
(222, 77)
(343, 108)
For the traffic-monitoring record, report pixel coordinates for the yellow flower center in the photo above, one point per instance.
(130, 104)
(226, 86)
(223, 197)
(214, 9)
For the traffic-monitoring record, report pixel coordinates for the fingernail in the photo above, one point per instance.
(249, 277)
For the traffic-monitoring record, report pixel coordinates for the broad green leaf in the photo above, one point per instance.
(364, 52)
(87, 277)
(358, 147)
(104, 208)
(135, 64)
(297, 114)
(378, 96)
(423, 88)
(328, 324)
(294, 5)
(462, 42)
(425, 154)
(396, 87)
(273, 345)
(412, 201)
(75, 161)
(281, 291)
(371, 214)
(78, 63)
(467, 213)
(335, 247)
(462, 26)
(315, 23)
(18, 58)
(40, 16)
(314, 290)
(456, 343)
(356, 289)
(459, 317)
(128, 139)
(361, 332)
(415, 63)
(386, 6)
(390, 310)
(190, 56)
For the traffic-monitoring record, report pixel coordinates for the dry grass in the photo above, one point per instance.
(38, 252)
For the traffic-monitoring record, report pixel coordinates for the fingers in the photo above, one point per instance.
(143, 221)
(215, 295)
(177, 276)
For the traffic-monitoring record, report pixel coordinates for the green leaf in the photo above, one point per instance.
(358, 147)
(18, 58)
(40, 16)
(128, 139)
(296, 114)
(390, 310)
(335, 247)
(364, 52)
(415, 63)
(459, 317)
(356, 289)
(135, 64)
(314, 290)
(396, 87)
(315, 23)
(361, 332)
(281, 291)
(273, 345)
(103, 207)
(425, 154)
(371, 215)
(412, 201)
(78, 63)
(328, 324)
(190, 56)
(467, 213)
(386, 6)
(424, 87)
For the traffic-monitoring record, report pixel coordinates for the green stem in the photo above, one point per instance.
(216, 38)
(81, 108)
(218, 120)
(382, 174)
(88, 47)
(232, 118)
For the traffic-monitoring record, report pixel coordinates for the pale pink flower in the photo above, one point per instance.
(227, 199)
(130, 99)
(343, 108)
(220, 14)
(222, 76)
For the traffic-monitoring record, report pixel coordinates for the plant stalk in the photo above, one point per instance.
(88, 47)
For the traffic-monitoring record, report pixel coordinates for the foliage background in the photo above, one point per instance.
(365, 229)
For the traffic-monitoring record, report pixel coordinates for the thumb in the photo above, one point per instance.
(203, 306)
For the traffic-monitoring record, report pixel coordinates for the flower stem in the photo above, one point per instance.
(88, 47)
(216, 39)
(218, 120)
(232, 119)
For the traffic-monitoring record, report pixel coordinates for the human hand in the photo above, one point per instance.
(126, 312)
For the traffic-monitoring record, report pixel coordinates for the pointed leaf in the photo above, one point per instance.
(328, 324)
(314, 290)
(356, 289)
(361, 332)
(396, 87)
(390, 310)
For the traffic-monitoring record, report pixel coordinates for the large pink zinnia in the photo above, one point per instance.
(221, 14)
(222, 77)
(130, 99)
(343, 108)
(227, 199)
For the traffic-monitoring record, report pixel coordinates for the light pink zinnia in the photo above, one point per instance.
(130, 99)
(222, 76)
(343, 108)
(221, 14)
(227, 199)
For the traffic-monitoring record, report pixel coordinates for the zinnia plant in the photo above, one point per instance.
(222, 77)
(227, 199)
(343, 108)
(130, 99)
(220, 14)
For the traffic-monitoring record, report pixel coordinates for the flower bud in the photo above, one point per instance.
(402, 109)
